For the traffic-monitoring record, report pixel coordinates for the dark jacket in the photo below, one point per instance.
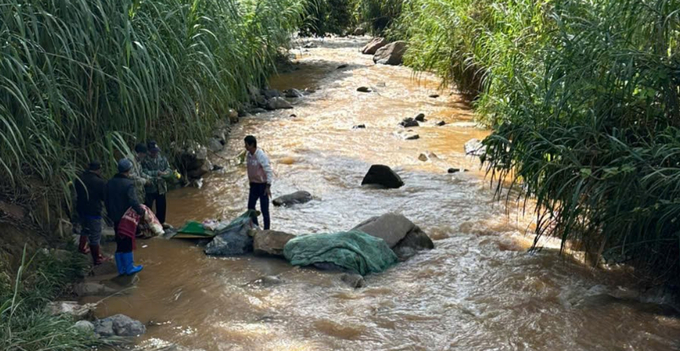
(90, 189)
(120, 196)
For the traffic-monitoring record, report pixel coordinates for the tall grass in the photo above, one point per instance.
(24, 322)
(584, 99)
(83, 79)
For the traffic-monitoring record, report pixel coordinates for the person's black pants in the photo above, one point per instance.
(259, 191)
(161, 205)
(123, 243)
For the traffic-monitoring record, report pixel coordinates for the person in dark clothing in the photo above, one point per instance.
(155, 167)
(120, 196)
(90, 190)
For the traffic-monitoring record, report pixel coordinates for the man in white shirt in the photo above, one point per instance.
(260, 176)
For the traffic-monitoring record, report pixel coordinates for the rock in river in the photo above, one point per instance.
(119, 325)
(373, 46)
(299, 197)
(401, 235)
(383, 176)
(278, 103)
(409, 122)
(390, 54)
(474, 147)
(270, 242)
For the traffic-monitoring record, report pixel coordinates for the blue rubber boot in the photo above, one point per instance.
(120, 264)
(130, 267)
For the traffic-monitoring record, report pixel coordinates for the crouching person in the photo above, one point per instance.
(121, 195)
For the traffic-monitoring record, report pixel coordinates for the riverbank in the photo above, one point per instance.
(478, 289)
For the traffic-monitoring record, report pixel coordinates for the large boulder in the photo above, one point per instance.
(390, 54)
(299, 197)
(119, 325)
(383, 176)
(270, 242)
(401, 235)
(390, 227)
(278, 103)
(373, 46)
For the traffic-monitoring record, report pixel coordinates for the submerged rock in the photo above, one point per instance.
(266, 282)
(440, 123)
(359, 126)
(354, 281)
(92, 289)
(434, 96)
(299, 197)
(390, 54)
(119, 325)
(373, 46)
(384, 176)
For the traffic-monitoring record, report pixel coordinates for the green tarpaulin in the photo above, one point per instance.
(354, 250)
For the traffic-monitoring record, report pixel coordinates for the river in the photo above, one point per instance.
(479, 289)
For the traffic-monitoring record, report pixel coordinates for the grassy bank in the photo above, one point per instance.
(24, 323)
(85, 79)
(584, 100)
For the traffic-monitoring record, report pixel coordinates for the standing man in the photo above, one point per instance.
(260, 176)
(155, 166)
(120, 196)
(137, 175)
(90, 190)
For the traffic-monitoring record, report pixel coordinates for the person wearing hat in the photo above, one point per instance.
(120, 196)
(155, 166)
(90, 189)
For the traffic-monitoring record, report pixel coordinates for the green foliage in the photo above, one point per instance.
(327, 17)
(584, 99)
(379, 14)
(24, 323)
(82, 79)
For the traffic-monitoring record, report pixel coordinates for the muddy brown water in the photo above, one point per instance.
(479, 289)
